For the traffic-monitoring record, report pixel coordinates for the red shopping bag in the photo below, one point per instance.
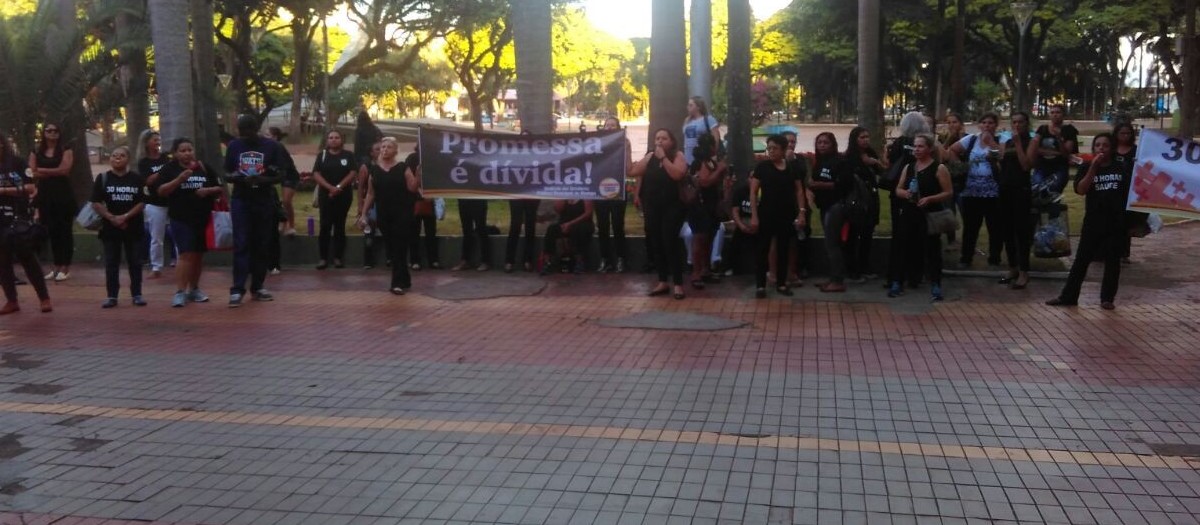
(219, 234)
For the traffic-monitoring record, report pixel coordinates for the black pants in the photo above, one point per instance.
(610, 219)
(522, 215)
(915, 251)
(59, 218)
(253, 221)
(975, 212)
(579, 238)
(858, 248)
(27, 257)
(735, 250)
(833, 219)
(781, 231)
(1097, 239)
(429, 224)
(395, 229)
(1016, 208)
(331, 241)
(473, 214)
(114, 244)
(663, 223)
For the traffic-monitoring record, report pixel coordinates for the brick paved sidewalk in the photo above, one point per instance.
(340, 403)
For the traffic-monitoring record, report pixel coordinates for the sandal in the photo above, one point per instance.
(397, 291)
(661, 290)
(679, 293)
(698, 284)
(783, 290)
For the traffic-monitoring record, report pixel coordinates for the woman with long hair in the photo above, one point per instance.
(334, 171)
(955, 131)
(371, 234)
(924, 188)
(51, 163)
(708, 173)
(190, 187)
(150, 160)
(16, 188)
(981, 193)
(867, 165)
(900, 154)
(1105, 183)
(697, 123)
(1016, 200)
(1125, 153)
(659, 174)
(610, 218)
(425, 219)
(777, 207)
(392, 189)
(117, 196)
(830, 183)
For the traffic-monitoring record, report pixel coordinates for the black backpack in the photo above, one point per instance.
(899, 154)
(858, 202)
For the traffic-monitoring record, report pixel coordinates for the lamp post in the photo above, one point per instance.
(1023, 14)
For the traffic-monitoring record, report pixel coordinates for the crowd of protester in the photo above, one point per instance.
(155, 207)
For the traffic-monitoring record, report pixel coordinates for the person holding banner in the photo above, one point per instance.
(190, 188)
(1105, 183)
(392, 188)
(610, 218)
(660, 174)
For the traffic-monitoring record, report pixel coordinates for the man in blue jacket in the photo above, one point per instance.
(254, 164)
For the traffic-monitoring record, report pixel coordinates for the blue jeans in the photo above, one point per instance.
(252, 225)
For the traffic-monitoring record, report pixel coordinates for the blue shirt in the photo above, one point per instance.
(980, 180)
(246, 159)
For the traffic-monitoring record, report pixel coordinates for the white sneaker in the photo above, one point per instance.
(62, 276)
(50, 276)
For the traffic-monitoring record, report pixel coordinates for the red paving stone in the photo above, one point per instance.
(1149, 340)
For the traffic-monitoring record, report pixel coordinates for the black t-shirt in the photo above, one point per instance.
(741, 200)
(54, 191)
(119, 193)
(183, 204)
(12, 175)
(1012, 175)
(334, 167)
(1128, 160)
(776, 191)
(658, 188)
(148, 167)
(1106, 201)
(832, 169)
(1049, 141)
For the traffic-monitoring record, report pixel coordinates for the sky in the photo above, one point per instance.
(631, 18)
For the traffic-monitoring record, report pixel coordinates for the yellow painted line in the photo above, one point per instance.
(600, 432)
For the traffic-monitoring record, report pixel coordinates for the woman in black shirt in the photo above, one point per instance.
(777, 206)
(924, 187)
(334, 172)
(867, 165)
(1106, 185)
(659, 174)
(1016, 200)
(51, 164)
(117, 196)
(1125, 153)
(392, 189)
(190, 187)
(831, 181)
(15, 189)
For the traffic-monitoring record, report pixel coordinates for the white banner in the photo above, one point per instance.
(1166, 177)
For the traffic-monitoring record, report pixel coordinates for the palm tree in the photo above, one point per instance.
(530, 21)
(739, 119)
(172, 68)
(700, 80)
(668, 78)
(870, 98)
(208, 137)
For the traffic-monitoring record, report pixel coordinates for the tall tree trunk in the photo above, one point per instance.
(669, 70)
(172, 68)
(1189, 101)
(71, 118)
(737, 64)
(958, 97)
(532, 40)
(870, 98)
(302, 34)
(700, 81)
(208, 137)
(135, 81)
